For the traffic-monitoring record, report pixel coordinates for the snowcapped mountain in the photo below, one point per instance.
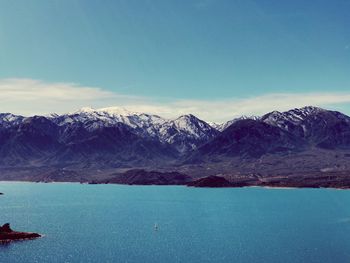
(109, 136)
(115, 137)
(275, 118)
(287, 132)
(184, 133)
(292, 117)
(107, 117)
(283, 120)
(321, 128)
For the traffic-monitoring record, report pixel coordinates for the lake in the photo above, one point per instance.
(115, 223)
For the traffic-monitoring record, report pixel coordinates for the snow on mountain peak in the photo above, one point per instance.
(307, 110)
(294, 115)
(223, 126)
(7, 119)
(289, 119)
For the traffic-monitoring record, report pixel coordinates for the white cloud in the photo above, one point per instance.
(29, 89)
(29, 97)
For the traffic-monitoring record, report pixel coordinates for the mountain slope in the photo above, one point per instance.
(28, 141)
(249, 139)
(114, 137)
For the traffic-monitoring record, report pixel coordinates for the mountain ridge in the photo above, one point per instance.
(91, 142)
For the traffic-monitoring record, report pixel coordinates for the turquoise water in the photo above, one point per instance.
(114, 223)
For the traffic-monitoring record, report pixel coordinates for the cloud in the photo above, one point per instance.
(227, 109)
(31, 90)
(29, 97)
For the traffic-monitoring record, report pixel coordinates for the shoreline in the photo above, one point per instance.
(179, 185)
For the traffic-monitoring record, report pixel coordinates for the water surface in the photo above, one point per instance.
(114, 223)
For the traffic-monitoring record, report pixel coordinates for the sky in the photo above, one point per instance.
(217, 59)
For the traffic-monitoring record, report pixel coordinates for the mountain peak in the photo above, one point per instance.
(111, 111)
(187, 117)
(310, 107)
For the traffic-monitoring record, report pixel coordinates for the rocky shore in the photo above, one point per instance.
(197, 176)
(336, 180)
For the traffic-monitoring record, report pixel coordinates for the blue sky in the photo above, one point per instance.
(147, 54)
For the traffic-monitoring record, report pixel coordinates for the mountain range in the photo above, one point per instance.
(309, 139)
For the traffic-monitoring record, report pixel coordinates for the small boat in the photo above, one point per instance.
(155, 227)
